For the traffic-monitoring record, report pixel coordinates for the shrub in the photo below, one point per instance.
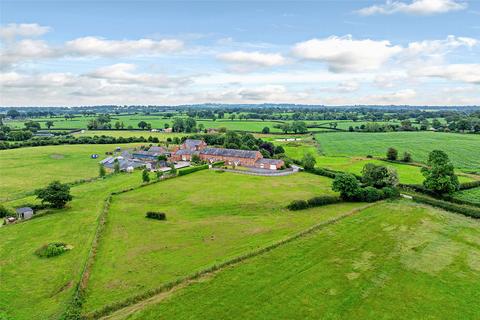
(369, 156)
(5, 212)
(407, 157)
(218, 164)
(389, 192)
(51, 250)
(188, 170)
(371, 194)
(298, 205)
(392, 154)
(322, 200)
(156, 215)
(347, 185)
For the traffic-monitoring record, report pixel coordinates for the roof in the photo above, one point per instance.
(230, 153)
(184, 151)
(156, 149)
(125, 163)
(23, 209)
(191, 143)
(269, 161)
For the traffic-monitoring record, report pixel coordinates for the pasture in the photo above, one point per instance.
(26, 169)
(36, 288)
(211, 217)
(472, 195)
(395, 260)
(463, 149)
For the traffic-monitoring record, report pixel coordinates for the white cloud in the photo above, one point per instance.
(94, 46)
(429, 47)
(469, 73)
(123, 73)
(25, 50)
(344, 54)
(416, 7)
(12, 30)
(243, 61)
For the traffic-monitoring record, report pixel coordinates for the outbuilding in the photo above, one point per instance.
(24, 213)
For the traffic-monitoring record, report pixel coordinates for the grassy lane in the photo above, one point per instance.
(36, 288)
(211, 217)
(394, 261)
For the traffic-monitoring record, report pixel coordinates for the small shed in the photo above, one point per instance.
(24, 213)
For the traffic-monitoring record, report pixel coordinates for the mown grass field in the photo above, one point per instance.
(211, 217)
(463, 149)
(395, 260)
(407, 173)
(36, 288)
(26, 169)
(162, 136)
(472, 195)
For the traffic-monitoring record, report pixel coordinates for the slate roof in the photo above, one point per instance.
(230, 153)
(156, 149)
(269, 161)
(184, 151)
(192, 144)
(23, 209)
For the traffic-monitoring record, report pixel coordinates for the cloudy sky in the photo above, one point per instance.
(419, 52)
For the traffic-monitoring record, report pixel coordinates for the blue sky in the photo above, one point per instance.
(176, 52)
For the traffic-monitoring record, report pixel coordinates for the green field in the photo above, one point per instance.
(36, 288)
(392, 261)
(26, 169)
(210, 217)
(472, 195)
(162, 136)
(463, 149)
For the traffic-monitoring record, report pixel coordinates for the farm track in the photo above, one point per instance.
(123, 309)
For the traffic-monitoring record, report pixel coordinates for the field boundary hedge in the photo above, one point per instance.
(449, 206)
(188, 170)
(111, 308)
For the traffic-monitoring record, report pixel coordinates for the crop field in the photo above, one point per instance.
(41, 165)
(358, 268)
(36, 288)
(205, 225)
(472, 195)
(162, 136)
(463, 149)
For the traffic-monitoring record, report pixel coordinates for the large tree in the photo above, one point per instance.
(308, 161)
(347, 185)
(56, 194)
(440, 177)
(379, 176)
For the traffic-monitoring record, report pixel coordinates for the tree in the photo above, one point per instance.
(32, 126)
(266, 130)
(159, 174)
(145, 176)
(5, 212)
(285, 127)
(56, 194)
(392, 154)
(407, 157)
(173, 170)
(196, 159)
(142, 125)
(347, 185)
(101, 171)
(379, 176)
(118, 125)
(440, 177)
(299, 127)
(116, 166)
(308, 161)
(49, 124)
(13, 114)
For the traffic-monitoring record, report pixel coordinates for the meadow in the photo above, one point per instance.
(162, 136)
(26, 169)
(472, 195)
(211, 217)
(463, 149)
(358, 268)
(39, 288)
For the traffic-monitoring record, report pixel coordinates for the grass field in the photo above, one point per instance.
(25, 169)
(392, 261)
(162, 136)
(472, 195)
(36, 288)
(462, 148)
(210, 217)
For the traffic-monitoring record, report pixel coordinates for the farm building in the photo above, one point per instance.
(271, 164)
(245, 158)
(24, 213)
(194, 145)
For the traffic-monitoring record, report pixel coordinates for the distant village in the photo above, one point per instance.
(158, 158)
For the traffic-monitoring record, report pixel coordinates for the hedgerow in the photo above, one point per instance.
(313, 202)
(188, 170)
(449, 206)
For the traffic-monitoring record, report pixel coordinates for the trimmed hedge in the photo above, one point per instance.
(188, 170)
(218, 164)
(313, 202)
(449, 206)
(156, 215)
(329, 173)
(469, 185)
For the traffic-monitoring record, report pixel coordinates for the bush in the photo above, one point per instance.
(392, 154)
(188, 170)
(51, 250)
(407, 157)
(5, 212)
(156, 215)
(218, 164)
(322, 200)
(347, 185)
(389, 192)
(371, 194)
(297, 205)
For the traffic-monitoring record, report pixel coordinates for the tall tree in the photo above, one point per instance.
(440, 177)
(56, 194)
